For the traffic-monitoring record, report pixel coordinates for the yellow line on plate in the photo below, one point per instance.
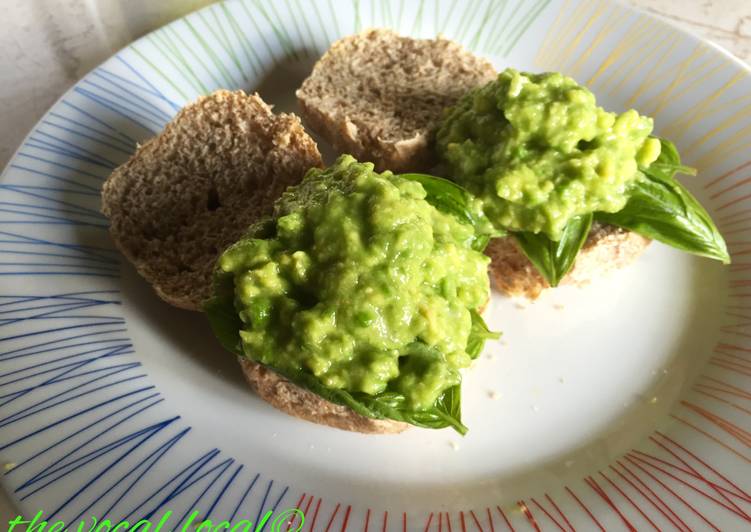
(551, 33)
(611, 21)
(662, 98)
(737, 142)
(707, 107)
(564, 34)
(628, 43)
(565, 51)
(654, 76)
(634, 63)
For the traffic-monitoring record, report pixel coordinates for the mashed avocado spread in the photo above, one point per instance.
(363, 284)
(537, 151)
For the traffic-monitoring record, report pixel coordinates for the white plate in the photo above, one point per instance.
(624, 404)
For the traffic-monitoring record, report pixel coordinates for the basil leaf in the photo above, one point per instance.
(226, 325)
(660, 207)
(446, 412)
(478, 333)
(450, 198)
(554, 259)
(223, 318)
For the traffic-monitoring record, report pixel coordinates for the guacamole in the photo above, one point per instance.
(537, 151)
(361, 283)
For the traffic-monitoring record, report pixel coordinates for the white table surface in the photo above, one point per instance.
(47, 45)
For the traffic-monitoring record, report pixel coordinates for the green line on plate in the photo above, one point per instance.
(229, 80)
(336, 20)
(356, 5)
(195, 54)
(386, 8)
(464, 21)
(313, 42)
(279, 29)
(496, 21)
(223, 39)
(499, 38)
(250, 53)
(484, 21)
(158, 71)
(260, 33)
(325, 31)
(416, 26)
(448, 17)
(297, 26)
(401, 12)
(166, 48)
(534, 13)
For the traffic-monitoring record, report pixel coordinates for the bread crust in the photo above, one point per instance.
(193, 189)
(380, 96)
(303, 404)
(607, 248)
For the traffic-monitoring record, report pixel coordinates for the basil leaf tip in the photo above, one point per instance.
(555, 259)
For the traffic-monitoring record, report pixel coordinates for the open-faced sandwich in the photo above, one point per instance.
(351, 295)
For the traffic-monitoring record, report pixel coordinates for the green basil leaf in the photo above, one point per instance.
(660, 207)
(450, 198)
(554, 259)
(478, 334)
(223, 318)
(389, 405)
(226, 325)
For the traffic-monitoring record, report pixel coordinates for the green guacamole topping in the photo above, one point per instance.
(363, 284)
(537, 151)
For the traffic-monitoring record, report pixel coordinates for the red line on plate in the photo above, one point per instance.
(346, 518)
(730, 389)
(477, 521)
(528, 514)
(730, 506)
(733, 347)
(673, 493)
(713, 438)
(448, 520)
(735, 361)
(563, 516)
(315, 515)
(629, 499)
(508, 523)
(727, 174)
(331, 519)
(720, 399)
(705, 464)
(440, 521)
(735, 185)
(461, 520)
(661, 507)
(732, 429)
(555, 521)
(728, 367)
(427, 525)
(490, 519)
(741, 395)
(385, 520)
(294, 515)
(404, 521)
(367, 520)
(733, 202)
(603, 494)
(584, 507)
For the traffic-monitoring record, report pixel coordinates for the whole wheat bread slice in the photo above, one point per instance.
(607, 248)
(192, 190)
(380, 96)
